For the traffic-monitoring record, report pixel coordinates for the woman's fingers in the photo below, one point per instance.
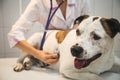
(48, 58)
(51, 58)
(51, 61)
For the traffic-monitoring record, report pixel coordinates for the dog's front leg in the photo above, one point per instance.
(19, 66)
(34, 41)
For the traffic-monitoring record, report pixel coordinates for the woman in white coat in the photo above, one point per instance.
(38, 10)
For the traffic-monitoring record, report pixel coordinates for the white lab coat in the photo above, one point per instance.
(38, 10)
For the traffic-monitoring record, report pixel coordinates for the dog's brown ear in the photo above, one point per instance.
(111, 26)
(80, 19)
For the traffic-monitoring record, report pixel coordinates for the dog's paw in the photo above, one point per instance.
(19, 67)
(27, 65)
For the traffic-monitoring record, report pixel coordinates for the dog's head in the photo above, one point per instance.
(93, 40)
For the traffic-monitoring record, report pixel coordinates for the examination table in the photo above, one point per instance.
(7, 73)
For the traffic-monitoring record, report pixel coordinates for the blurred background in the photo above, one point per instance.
(10, 10)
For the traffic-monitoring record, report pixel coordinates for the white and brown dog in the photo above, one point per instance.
(88, 48)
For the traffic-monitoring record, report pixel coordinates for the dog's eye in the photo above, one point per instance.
(78, 32)
(95, 36)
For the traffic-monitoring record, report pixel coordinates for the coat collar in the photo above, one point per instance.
(70, 4)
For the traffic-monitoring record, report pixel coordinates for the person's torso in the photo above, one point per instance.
(73, 10)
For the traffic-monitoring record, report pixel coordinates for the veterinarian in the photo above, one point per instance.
(37, 11)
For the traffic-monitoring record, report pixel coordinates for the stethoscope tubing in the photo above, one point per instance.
(50, 16)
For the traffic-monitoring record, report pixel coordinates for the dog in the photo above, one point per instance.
(89, 48)
(57, 35)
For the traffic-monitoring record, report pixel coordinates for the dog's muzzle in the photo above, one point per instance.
(77, 52)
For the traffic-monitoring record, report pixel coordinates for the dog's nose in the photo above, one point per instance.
(76, 50)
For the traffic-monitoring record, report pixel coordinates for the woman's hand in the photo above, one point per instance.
(49, 58)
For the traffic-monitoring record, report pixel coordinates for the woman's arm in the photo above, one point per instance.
(16, 36)
(48, 58)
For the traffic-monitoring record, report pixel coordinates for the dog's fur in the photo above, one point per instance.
(90, 44)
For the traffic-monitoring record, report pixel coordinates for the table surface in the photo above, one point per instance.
(7, 73)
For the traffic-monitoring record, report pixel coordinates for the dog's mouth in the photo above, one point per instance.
(84, 62)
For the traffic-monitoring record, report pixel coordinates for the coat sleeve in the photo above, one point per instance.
(24, 23)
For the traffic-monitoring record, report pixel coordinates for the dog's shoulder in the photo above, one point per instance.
(60, 35)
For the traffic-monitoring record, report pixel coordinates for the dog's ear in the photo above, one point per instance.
(95, 18)
(111, 26)
(80, 19)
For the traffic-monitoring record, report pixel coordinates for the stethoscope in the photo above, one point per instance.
(50, 16)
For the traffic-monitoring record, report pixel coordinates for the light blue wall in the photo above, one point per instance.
(10, 11)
